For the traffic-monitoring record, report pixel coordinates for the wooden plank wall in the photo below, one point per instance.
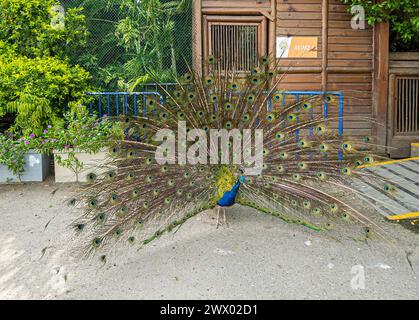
(348, 65)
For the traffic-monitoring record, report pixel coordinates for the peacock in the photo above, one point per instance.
(228, 138)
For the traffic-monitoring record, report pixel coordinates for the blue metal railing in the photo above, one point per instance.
(110, 103)
(134, 103)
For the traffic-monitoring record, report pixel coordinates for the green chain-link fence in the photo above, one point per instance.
(134, 42)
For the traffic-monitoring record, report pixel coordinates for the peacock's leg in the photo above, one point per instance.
(225, 218)
(218, 216)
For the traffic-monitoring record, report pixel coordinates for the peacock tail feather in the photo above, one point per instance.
(147, 190)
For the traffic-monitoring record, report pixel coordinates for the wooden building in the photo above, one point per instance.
(340, 58)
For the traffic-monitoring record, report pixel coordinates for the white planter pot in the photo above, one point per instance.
(36, 169)
(92, 163)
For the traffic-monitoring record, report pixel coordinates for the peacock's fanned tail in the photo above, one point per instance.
(307, 164)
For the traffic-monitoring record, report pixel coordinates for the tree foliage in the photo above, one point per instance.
(403, 16)
(129, 40)
(37, 80)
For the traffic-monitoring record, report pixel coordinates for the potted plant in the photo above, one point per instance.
(80, 144)
(20, 161)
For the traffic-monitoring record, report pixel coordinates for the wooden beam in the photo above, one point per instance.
(381, 84)
(197, 36)
(272, 34)
(325, 41)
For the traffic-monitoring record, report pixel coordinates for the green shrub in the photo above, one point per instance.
(12, 154)
(27, 27)
(38, 89)
(36, 80)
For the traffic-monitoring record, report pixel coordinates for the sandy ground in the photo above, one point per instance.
(257, 257)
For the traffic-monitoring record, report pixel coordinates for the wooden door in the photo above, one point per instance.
(403, 114)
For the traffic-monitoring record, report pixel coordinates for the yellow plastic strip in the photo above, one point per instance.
(412, 215)
(386, 162)
(415, 144)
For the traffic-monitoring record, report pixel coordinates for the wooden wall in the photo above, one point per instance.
(344, 62)
(352, 61)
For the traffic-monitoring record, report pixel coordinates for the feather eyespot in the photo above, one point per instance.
(114, 197)
(346, 171)
(296, 177)
(302, 166)
(358, 163)
(211, 59)
(279, 136)
(323, 147)
(334, 207)
(246, 117)
(291, 117)
(97, 242)
(277, 97)
(234, 86)
(181, 115)
(209, 80)
(328, 226)
(346, 146)
(164, 115)
(283, 155)
(270, 117)
(345, 216)
(316, 211)
(114, 151)
(101, 217)
(92, 203)
(187, 77)
(91, 177)
(135, 193)
(368, 159)
(303, 144)
(251, 98)
(306, 106)
(228, 106)
(80, 226)
(111, 175)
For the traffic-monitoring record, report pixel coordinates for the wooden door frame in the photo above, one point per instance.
(258, 21)
(266, 8)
